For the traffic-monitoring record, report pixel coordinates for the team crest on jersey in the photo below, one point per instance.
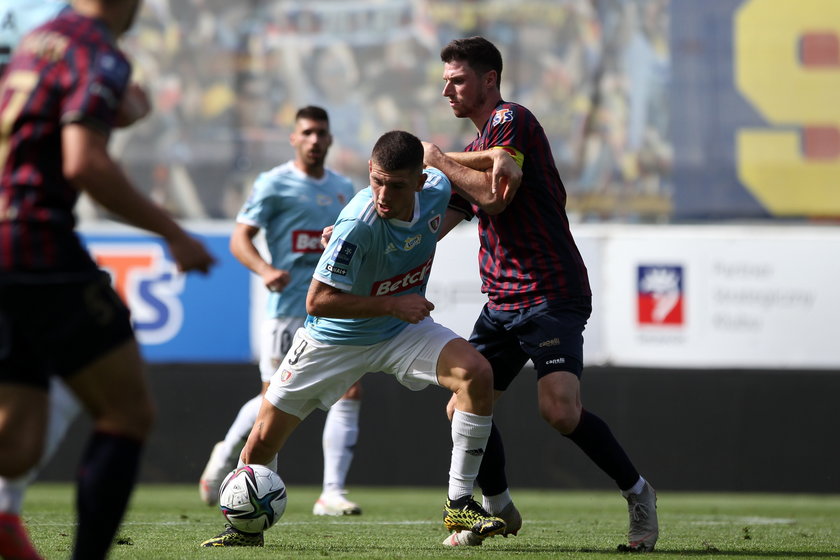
(502, 116)
(412, 242)
(434, 224)
(341, 199)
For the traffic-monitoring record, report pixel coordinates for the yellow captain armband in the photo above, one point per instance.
(517, 156)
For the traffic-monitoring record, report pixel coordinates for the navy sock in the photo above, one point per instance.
(596, 439)
(491, 475)
(104, 483)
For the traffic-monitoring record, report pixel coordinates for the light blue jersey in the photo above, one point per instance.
(293, 209)
(18, 17)
(372, 256)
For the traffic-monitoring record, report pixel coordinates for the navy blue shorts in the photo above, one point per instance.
(58, 329)
(549, 334)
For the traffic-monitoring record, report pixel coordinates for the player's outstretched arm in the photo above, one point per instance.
(134, 106)
(324, 300)
(242, 247)
(488, 178)
(88, 166)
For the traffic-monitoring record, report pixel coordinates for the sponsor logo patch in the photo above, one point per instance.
(502, 116)
(306, 241)
(343, 252)
(337, 270)
(412, 242)
(660, 295)
(402, 282)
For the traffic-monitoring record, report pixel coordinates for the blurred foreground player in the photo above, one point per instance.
(59, 99)
(19, 17)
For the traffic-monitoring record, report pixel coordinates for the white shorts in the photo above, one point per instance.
(315, 374)
(275, 340)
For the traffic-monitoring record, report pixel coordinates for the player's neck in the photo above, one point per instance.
(113, 16)
(313, 171)
(487, 109)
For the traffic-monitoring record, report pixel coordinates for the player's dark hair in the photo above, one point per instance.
(480, 54)
(312, 112)
(397, 150)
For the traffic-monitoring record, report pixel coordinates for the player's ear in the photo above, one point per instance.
(421, 182)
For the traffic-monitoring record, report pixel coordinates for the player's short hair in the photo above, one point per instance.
(397, 150)
(312, 112)
(480, 54)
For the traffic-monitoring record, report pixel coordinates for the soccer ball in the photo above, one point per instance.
(252, 498)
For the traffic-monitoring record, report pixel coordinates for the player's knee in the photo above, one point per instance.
(450, 407)
(477, 375)
(144, 418)
(562, 416)
(21, 458)
(135, 419)
(354, 392)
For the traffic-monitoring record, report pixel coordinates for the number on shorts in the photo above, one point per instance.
(297, 352)
(285, 341)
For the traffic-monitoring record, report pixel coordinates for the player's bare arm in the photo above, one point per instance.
(242, 247)
(488, 179)
(88, 166)
(451, 219)
(324, 300)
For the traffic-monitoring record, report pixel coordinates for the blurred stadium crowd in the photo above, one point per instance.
(226, 78)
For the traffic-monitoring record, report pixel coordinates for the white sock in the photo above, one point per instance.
(635, 489)
(63, 409)
(240, 429)
(11, 493)
(341, 432)
(495, 504)
(469, 439)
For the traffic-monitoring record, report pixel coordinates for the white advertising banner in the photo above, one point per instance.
(678, 296)
(723, 296)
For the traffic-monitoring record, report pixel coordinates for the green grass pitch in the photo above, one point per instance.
(167, 522)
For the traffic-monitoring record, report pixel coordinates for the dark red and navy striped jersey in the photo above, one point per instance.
(67, 71)
(528, 255)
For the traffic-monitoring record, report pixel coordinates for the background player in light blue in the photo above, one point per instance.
(19, 16)
(368, 312)
(291, 204)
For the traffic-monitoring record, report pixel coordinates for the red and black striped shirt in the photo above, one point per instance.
(68, 70)
(528, 255)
